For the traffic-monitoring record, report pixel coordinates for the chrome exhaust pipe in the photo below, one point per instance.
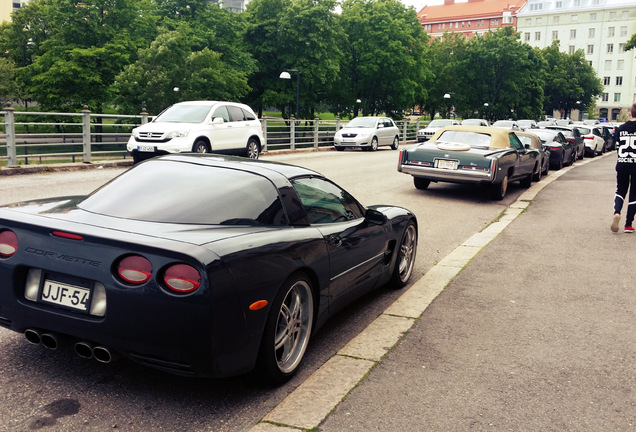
(102, 354)
(33, 336)
(50, 341)
(84, 349)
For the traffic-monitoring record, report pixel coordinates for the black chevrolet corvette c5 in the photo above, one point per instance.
(197, 265)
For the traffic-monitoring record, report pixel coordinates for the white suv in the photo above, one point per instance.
(201, 127)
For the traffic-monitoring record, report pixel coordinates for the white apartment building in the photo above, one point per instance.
(601, 29)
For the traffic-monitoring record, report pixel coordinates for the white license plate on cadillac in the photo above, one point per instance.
(146, 148)
(66, 295)
(447, 164)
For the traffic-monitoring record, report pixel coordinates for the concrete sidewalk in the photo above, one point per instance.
(528, 325)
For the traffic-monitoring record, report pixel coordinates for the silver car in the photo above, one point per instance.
(368, 133)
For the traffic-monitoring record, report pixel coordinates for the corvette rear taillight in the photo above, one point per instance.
(134, 269)
(8, 243)
(182, 278)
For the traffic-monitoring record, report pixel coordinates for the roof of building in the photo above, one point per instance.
(470, 9)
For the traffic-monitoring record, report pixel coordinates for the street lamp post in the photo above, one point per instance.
(285, 75)
(24, 63)
(447, 97)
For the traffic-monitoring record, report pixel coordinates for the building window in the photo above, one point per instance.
(571, 49)
(555, 20)
(617, 97)
(590, 63)
(612, 15)
(608, 65)
(625, 14)
(590, 49)
(623, 31)
(606, 80)
(537, 36)
(593, 16)
(610, 48)
(539, 21)
(559, 4)
(611, 31)
(573, 34)
(605, 97)
(574, 18)
(555, 34)
(619, 81)
(591, 33)
(507, 18)
(528, 21)
(621, 48)
(526, 36)
(577, 3)
(620, 65)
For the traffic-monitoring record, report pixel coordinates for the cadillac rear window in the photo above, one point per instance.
(473, 139)
(178, 192)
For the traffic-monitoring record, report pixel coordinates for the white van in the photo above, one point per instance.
(201, 127)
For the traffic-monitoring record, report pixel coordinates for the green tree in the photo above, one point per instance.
(173, 69)
(505, 73)
(631, 43)
(447, 56)
(8, 90)
(76, 48)
(385, 64)
(571, 83)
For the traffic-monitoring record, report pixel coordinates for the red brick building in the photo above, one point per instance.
(469, 18)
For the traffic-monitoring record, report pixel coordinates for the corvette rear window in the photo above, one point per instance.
(177, 192)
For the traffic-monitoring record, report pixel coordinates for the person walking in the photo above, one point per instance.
(625, 138)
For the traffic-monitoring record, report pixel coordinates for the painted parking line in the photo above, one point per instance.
(310, 403)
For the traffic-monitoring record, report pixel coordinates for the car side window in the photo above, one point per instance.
(236, 113)
(325, 202)
(221, 112)
(514, 142)
(248, 115)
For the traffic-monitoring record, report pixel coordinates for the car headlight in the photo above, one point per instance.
(364, 135)
(178, 134)
(135, 133)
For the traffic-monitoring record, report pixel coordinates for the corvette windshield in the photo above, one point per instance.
(183, 114)
(178, 192)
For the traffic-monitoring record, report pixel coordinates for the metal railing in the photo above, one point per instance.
(44, 137)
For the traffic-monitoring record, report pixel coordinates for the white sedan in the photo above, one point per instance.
(368, 133)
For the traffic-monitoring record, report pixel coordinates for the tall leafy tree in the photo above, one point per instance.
(571, 83)
(8, 90)
(384, 64)
(76, 48)
(505, 73)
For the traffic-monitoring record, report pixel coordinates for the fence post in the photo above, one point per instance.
(405, 129)
(292, 132)
(264, 127)
(9, 121)
(86, 134)
(144, 116)
(316, 131)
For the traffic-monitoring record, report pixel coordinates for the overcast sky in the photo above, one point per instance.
(419, 4)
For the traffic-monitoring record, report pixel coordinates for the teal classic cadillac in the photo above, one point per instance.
(473, 155)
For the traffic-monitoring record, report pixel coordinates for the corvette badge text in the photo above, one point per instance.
(62, 257)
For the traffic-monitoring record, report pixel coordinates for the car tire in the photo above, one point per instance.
(537, 176)
(420, 183)
(396, 143)
(200, 146)
(340, 148)
(547, 168)
(374, 144)
(560, 165)
(498, 190)
(287, 331)
(253, 149)
(405, 259)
